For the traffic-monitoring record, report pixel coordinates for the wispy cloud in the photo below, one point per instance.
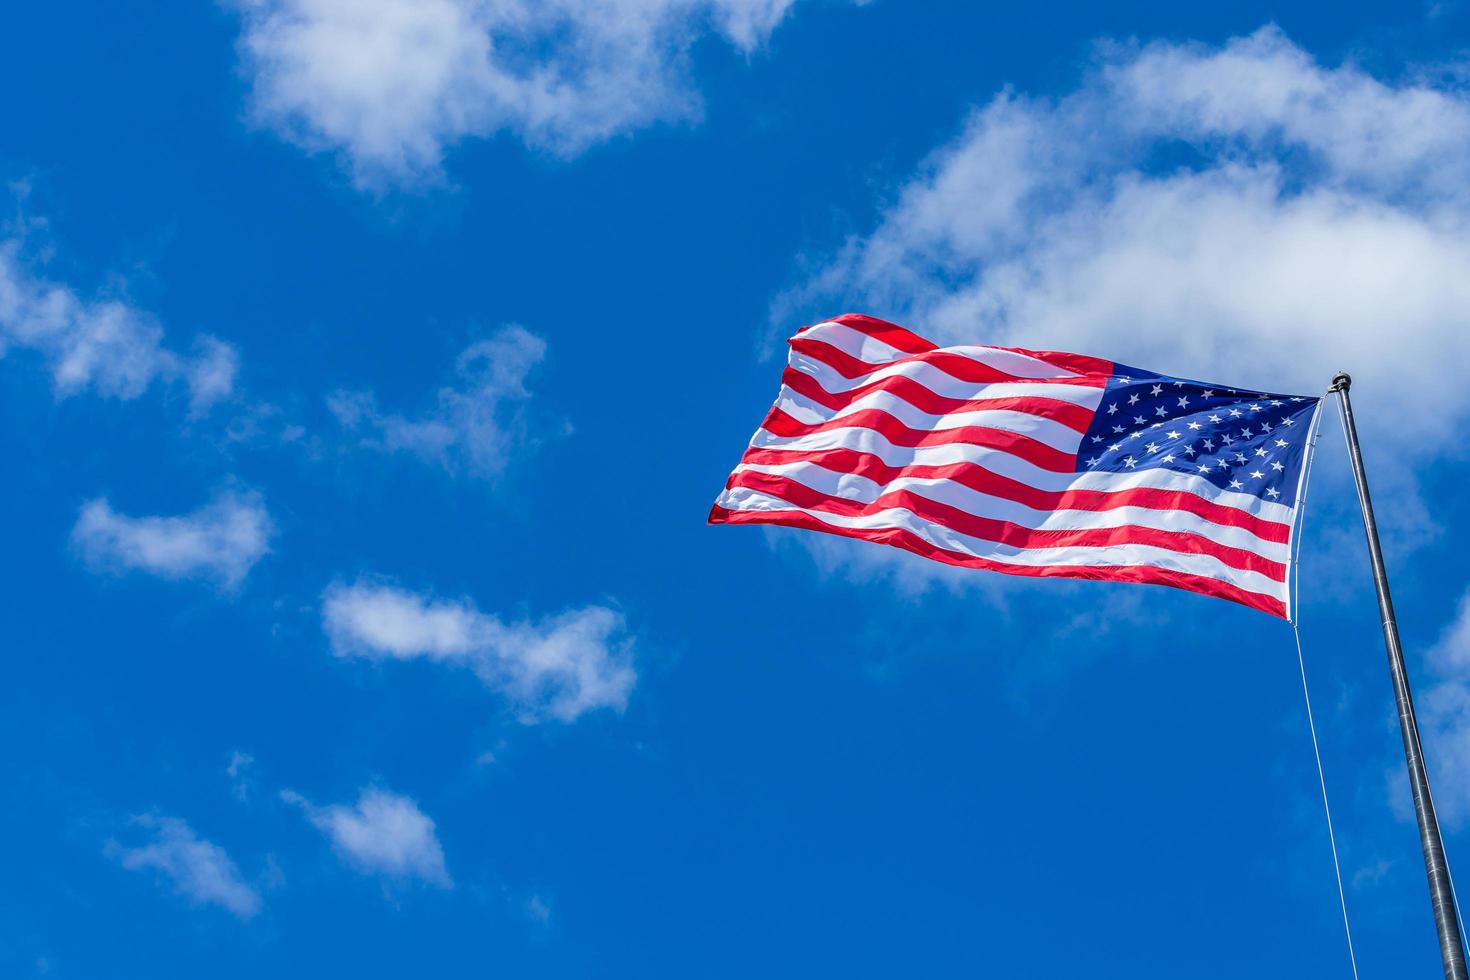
(558, 668)
(390, 84)
(240, 771)
(383, 834)
(476, 422)
(102, 344)
(199, 870)
(220, 542)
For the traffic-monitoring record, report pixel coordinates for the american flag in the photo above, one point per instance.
(1029, 463)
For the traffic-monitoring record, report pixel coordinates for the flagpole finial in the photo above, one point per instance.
(1342, 381)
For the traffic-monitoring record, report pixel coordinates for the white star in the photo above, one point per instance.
(1272, 492)
(1297, 399)
(1117, 428)
(1288, 422)
(1241, 459)
(1168, 459)
(1236, 485)
(1258, 475)
(1152, 447)
(1276, 404)
(1092, 461)
(1261, 451)
(1157, 425)
(1172, 434)
(1189, 450)
(1282, 443)
(1208, 393)
(1161, 412)
(1209, 444)
(1236, 412)
(1194, 425)
(1245, 433)
(1130, 462)
(1214, 418)
(1228, 439)
(1204, 467)
(1157, 390)
(1184, 402)
(1179, 384)
(1254, 408)
(1134, 435)
(1139, 420)
(1265, 426)
(1097, 438)
(1115, 447)
(1133, 399)
(1113, 409)
(1277, 467)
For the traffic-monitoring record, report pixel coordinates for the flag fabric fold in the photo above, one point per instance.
(1029, 463)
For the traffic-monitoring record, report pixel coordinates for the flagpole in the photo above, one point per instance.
(1441, 893)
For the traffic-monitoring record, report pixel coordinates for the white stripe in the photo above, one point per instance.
(742, 499)
(859, 489)
(943, 384)
(874, 351)
(1004, 464)
(1045, 430)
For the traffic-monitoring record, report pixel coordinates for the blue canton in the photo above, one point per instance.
(1249, 442)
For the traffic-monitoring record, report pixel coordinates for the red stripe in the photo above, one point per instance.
(978, 478)
(957, 366)
(908, 541)
(778, 423)
(890, 333)
(1095, 367)
(1070, 414)
(1006, 532)
(901, 338)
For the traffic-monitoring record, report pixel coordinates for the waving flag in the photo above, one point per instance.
(1029, 463)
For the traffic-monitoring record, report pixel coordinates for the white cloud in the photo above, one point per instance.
(559, 668)
(211, 375)
(381, 834)
(219, 542)
(197, 869)
(392, 83)
(475, 424)
(101, 344)
(1241, 214)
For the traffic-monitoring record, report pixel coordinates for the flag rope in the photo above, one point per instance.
(1296, 630)
(1326, 806)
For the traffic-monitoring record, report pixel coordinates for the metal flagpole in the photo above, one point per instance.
(1441, 894)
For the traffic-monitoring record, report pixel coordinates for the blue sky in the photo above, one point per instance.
(368, 371)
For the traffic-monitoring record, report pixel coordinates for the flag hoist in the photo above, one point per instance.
(1043, 463)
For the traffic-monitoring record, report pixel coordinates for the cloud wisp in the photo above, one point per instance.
(195, 868)
(391, 84)
(382, 834)
(476, 423)
(103, 345)
(219, 543)
(558, 668)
